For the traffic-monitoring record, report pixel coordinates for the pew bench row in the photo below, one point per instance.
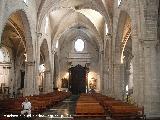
(118, 109)
(87, 106)
(39, 103)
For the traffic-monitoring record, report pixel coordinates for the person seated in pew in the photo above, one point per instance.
(26, 105)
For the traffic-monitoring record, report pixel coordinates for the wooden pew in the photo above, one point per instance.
(118, 109)
(87, 106)
(108, 103)
(120, 112)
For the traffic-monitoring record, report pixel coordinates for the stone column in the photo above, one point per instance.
(138, 70)
(151, 83)
(117, 81)
(48, 87)
(110, 68)
(101, 72)
(139, 86)
(52, 69)
(122, 81)
(106, 80)
(29, 82)
(36, 91)
(106, 56)
(37, 63)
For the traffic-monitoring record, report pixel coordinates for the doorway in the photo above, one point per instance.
(77, 79)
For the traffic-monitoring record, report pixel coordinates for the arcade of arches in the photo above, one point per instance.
(111, 46)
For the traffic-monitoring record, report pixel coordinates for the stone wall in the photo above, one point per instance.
(143, 16)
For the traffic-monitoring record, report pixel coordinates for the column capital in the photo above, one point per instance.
(47, 71)
(30, 63)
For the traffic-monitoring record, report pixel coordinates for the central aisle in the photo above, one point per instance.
(62, 111)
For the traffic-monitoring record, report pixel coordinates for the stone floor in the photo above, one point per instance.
(62, 111)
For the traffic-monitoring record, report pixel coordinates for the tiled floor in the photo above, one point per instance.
(62, 111)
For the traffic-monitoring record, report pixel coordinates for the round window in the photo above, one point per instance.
(79, 45)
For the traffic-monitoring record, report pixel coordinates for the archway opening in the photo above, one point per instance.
(124, 56)
(15, 40)
(44, 68)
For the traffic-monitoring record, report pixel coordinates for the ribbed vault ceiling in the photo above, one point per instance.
(65, 14)
(13, 34)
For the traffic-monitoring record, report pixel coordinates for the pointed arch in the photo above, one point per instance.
(122, 36)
